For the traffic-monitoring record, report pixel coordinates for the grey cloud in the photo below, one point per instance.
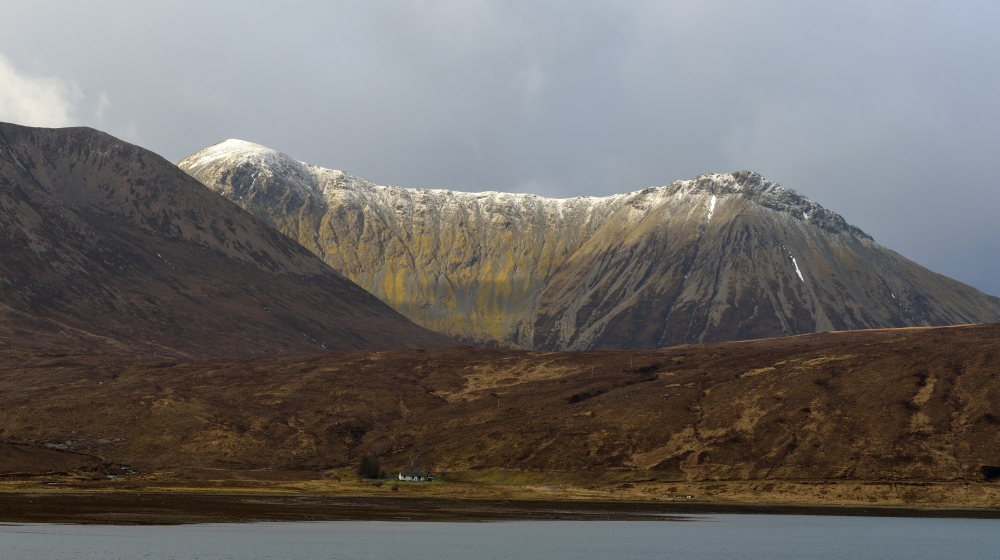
(885, 112)
(34, 100)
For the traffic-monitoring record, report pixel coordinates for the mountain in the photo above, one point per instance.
(719, 257)
(107, 246)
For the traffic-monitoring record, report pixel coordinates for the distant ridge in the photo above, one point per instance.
(109, 247)
(720, 257)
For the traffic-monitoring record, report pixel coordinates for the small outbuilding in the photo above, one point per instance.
(412, 476)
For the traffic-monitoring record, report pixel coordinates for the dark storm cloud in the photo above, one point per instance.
(886, 112)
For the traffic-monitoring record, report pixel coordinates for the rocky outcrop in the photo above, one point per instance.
(719, 257)
(107, 246)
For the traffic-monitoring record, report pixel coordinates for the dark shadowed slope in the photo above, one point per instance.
(720, 257)
(106, 245)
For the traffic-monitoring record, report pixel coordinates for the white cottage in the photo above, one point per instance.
(412, 476)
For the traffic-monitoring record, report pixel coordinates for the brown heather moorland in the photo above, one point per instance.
(887, 417)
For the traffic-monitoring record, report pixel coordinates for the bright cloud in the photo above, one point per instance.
(34, 100)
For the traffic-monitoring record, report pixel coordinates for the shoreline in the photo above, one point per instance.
(169, 508)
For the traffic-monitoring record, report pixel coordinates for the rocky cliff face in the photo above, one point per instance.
(106, 245)
(718, 257)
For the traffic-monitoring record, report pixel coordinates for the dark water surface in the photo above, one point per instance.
(710, 536)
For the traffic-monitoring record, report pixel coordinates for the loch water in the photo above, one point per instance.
(719, 537)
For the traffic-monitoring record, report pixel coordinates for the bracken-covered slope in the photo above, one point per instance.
(719, 257)
(919, 404)
(106, 245)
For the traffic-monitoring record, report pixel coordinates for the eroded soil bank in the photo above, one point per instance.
(168, 508)
(196, 497)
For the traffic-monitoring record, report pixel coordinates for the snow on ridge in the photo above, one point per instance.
(249, 152)
(227, 149)
(242, 151)
(318, 179)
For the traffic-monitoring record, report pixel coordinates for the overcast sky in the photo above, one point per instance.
(886, 112)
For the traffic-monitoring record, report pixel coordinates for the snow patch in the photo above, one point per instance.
(797, 271)
(711, 208)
